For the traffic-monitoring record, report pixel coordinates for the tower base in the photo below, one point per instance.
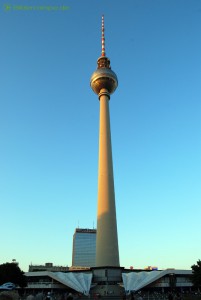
(107, 281)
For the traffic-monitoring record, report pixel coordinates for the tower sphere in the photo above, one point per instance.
(104, 78)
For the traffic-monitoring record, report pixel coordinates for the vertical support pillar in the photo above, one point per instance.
(107, 251)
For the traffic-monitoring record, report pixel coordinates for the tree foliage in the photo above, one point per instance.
(196, 276)
(10, 272)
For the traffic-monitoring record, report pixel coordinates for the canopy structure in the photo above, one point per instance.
(135, 281)
(80, 282)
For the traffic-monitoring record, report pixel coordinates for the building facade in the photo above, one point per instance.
(148, 282)
(48, 267)
(84, 248)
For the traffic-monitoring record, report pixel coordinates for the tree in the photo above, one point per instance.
(196, 276)
(10, 272)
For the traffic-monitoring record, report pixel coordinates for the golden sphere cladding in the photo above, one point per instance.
(103, 78)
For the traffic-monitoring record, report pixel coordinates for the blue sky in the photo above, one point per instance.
(49, 119)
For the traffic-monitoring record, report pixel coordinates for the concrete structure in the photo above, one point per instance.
(48, 267)
(84, 248)
(166, 280)
(76, 282)
(108, 279)
(145, 281)
(104, 82)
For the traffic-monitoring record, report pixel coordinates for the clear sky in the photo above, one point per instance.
(49, 119)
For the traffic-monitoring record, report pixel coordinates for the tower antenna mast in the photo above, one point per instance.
(103, 37)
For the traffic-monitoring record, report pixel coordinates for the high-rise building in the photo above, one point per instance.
(84, 248)
(104, 82)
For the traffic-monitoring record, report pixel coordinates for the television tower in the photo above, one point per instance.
(104, 82)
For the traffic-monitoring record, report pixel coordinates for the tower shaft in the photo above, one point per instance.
(107, 252)
(104, 82)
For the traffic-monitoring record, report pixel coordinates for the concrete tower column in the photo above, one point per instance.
(107, 253)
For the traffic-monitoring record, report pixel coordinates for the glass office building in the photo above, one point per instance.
(84, 248)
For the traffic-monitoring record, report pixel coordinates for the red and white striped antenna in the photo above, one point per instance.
(103, 38)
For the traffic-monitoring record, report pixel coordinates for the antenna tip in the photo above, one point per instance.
(103, 38)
